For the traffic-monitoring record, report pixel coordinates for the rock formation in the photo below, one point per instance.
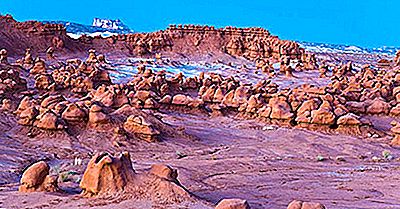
(50, 53)
(36, 178)
(138, 126)
(106, 175)
(296, 204)
(232, 204)
(3, 56)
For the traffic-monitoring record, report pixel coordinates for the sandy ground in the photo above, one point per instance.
(229, 157)
(217, 157)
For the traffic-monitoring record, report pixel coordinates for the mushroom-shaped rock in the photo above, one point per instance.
(233, 204)
(49, 121)
(180, 99)
(396, 133)
(28, 57)
(92, 56)
(164, 171)
(349, 119)
(378, 106)
(280, 108)
(28, 115)
(73, 113)
(3, 56)
(37, 179)
(96, 115)
(106, 174)
(38, 68)
(296, 204)
(138, 126)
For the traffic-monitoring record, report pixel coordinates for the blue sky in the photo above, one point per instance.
(360, 22)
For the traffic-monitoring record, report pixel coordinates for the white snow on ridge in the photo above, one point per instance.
(74, 36)
(353, 48)
(346, 49)
(109, 24)
(102, 34)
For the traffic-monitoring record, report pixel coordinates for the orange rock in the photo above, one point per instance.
(28, 57)
(92, 56)
(28, 116)
(280, 108)
(109, 176)
(106, 174)
(323, 115)
(395, 111)
(50, 121)
(167, 99)
(38, 68)
(44, 82)
(180, 99)
(349, 119)
(96, 115)
(228, 99)
(208, 95)
(36, 179)
(295, 204)
(73, 113)
(150, 103)
(219, 95)
(139, 127)
(3, 56)
(378, 106)
(164, 171)
(233, 204)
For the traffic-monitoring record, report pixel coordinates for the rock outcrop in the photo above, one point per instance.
(296, 204)
(36, 178)
(232, 204)
(106, 175)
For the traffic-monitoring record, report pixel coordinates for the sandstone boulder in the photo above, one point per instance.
(280, 108)
(73, 113)
(37, 179)
(138, 126)
(49, 121)
(92, 56)
(164, 171)
(323, 115)
(378, 106)
(3, 56)
(295, 204)
(106, 174)
(38, 68)
(395, 130)
(233, 204)
(180, 99)
(96, 115)
(109, 176)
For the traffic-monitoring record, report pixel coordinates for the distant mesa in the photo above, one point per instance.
(109, 24)
(102, 27)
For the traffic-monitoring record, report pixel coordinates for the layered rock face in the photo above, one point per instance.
(251, 43)
(17, 36)
(107, 175)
